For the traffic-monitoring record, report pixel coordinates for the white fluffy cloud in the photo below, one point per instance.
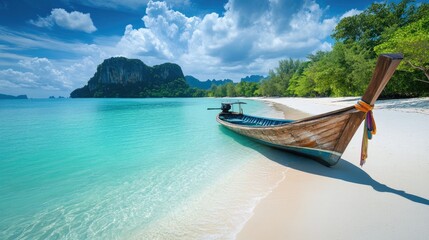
(245, 35)
(165, 36)
(11, 78)
(43, 74)
(249, 37)
(39, 76)
(350, 13)
(73, 21)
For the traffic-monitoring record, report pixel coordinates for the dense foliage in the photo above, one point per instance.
(346, 69)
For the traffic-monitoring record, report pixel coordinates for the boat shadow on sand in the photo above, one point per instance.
(344, 170)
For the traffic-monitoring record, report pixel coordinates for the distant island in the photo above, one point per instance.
(131, 78)
(120, 77)
(206, 85)
(4, 96)
(253, 78)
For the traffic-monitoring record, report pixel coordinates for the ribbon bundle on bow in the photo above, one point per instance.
(369, 128)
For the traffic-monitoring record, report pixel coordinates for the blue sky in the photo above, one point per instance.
(51, 47)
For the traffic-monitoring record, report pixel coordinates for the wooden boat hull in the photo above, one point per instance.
(316, 138)
(323, 137)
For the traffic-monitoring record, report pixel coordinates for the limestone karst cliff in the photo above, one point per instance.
(123, 77)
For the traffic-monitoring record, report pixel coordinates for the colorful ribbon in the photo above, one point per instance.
(369, 128)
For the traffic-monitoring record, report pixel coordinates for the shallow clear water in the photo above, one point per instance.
(110, 168)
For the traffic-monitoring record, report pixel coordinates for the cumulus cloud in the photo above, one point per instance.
(73, 21)
(244, 39)
(12, 78)
(247, 12)
(42, 74)
(350, 13)
(165, 36)
(58, 76)
(246, 33)
(47, 75)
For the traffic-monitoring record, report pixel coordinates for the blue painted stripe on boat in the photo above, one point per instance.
(252, 121)
(326, 157)
(329, 158)
(272, 119)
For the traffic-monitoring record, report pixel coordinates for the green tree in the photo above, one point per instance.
(296, 79)
(220, 91)
(271, 86)
(278, 80)
(212, 91)
(344, 71)
(367, 28)
(413, 41)
(230, 90)
(247, 89)
(305, 85)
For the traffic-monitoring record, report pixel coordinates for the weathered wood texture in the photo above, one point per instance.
(386, 66)
(321, 133)
(349, 130)
(330, 132)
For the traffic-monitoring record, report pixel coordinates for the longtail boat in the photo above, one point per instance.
(322, 137)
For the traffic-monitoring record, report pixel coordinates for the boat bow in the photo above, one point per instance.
(322, 137)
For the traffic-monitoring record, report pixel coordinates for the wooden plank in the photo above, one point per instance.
(306, 136)
(286, 140)
(349, 130)
(325, 136)
(330, 131)
(330, 141)
(320, 140)
(336, 112)
(333, 126)
(329, 146)
(303, 138)
(386, 66)
(314, 140)
(327, 122)
(313, 124)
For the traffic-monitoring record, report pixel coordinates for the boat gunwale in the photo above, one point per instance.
(296, 122)
(384, 69)
(331, 159)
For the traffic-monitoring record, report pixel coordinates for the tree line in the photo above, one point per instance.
(346, 69)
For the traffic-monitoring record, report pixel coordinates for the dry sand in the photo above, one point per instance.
(386, 199)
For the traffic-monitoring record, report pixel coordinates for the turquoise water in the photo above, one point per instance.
(107, 168)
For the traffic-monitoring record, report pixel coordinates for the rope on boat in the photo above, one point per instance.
(369, 129)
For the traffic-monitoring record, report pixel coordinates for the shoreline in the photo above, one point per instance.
(288, 112)
(221, 210)
(386, 199)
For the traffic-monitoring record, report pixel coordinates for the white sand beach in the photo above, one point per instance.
(387, 198)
